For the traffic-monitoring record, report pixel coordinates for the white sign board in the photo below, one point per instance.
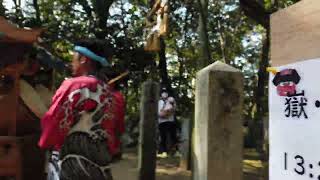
(294, 105)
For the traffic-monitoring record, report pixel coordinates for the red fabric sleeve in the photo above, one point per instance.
(121, 113)
(51, 135)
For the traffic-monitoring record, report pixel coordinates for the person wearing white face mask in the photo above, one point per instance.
(166, 110)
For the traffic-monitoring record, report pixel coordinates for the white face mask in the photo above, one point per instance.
(164, 95)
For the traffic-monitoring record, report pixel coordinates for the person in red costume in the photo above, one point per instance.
(73, 126)
(116, 127)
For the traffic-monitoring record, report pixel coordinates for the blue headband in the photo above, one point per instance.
(91, 55)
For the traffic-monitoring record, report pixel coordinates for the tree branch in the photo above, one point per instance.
(86, 7)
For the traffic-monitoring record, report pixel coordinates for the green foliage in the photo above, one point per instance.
(271, 5)
(233, 38)
(2, 8)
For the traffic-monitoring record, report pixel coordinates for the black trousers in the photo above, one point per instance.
(167, 135)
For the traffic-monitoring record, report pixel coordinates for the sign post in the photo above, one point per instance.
(294, 93)
(295, 122)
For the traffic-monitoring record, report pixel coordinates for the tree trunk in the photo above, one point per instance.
(101, 10)
(222, 44)
(37, 9)
(165, 80)
(260, 93)
(181, 68)
(204, 48)
(18, 13)
(256, 11)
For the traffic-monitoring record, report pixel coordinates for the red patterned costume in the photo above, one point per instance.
(75, 126)
(116, 127)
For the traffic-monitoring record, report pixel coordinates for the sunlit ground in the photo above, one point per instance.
(168, 169)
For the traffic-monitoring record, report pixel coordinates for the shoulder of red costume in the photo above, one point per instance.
(119, 96)
(117, 93)
(80, 82)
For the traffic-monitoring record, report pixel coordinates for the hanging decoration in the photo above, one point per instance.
(157, 22)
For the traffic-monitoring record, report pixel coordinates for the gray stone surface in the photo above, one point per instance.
(148, 126)
(185, 144)
(218, 139)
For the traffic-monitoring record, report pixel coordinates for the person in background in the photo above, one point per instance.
(166, 120)
(72, 128)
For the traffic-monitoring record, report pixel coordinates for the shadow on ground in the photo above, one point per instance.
(168, 168)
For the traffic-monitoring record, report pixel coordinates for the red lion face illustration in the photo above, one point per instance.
(286, 82)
